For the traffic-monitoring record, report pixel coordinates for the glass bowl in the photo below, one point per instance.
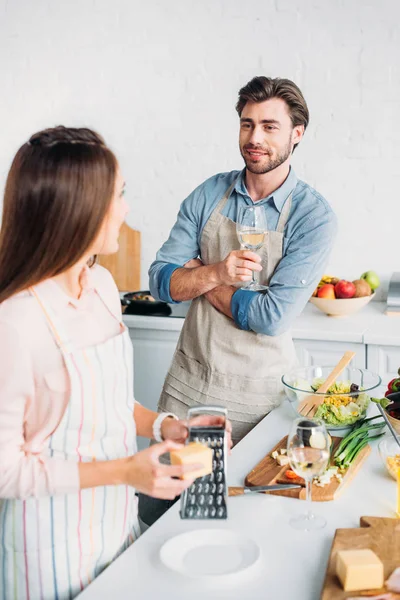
(340, 409)
(388, 449)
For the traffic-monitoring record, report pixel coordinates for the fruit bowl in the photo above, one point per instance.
(342, 405)
(340, 307)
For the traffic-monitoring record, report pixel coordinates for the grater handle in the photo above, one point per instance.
(204, 410)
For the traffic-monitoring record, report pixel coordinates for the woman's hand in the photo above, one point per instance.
(146, 474)
(177, 431)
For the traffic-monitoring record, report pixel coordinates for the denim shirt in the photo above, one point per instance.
(308, 239)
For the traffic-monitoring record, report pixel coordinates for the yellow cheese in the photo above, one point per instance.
(193, 454)
(359, 570)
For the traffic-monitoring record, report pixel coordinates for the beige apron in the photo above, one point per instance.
(215, 362)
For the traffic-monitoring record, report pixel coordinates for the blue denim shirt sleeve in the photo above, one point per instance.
(181, 246)
(293, 282)
(240, 303)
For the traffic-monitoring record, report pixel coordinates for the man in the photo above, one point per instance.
(236, 344)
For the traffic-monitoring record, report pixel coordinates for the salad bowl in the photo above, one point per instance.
(346, 401)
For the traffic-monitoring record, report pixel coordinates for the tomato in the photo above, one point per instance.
(291, 474)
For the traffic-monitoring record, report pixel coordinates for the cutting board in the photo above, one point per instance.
(124, 265)
(382, 536)
(267, 472)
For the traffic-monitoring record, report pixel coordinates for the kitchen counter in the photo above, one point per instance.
(292, 564)
(369, 326)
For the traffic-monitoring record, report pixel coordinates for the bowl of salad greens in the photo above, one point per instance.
(346, 401)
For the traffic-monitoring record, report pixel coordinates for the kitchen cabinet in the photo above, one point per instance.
(153, 350)
(384, 360)
(312, 352)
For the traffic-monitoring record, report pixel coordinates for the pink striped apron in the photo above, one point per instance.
(52, 547)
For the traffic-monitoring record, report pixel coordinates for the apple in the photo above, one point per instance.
(327, 291)
(345, 289)
(372, 279)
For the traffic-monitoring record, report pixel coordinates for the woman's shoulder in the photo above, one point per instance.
(105, 285)
(17, 305)
(102, 277)
(18, 313)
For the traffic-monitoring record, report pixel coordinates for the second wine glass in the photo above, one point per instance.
(251, 229)
(308, 451)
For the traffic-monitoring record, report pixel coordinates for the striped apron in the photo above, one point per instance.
(52, 547)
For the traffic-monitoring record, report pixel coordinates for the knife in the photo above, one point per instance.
(239, 491)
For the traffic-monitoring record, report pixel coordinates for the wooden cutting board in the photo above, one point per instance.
(268, 472)
(125, 264)
(382, 536)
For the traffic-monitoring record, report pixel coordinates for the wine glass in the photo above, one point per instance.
(251, 229)
(308, 452)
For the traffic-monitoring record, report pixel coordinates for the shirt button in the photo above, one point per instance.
(303, 281)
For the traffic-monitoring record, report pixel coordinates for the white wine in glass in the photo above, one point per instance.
(308, 451)
(251, 229)
(251, 240)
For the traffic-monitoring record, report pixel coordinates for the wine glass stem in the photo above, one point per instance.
(309, 514)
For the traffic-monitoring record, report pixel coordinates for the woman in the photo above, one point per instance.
(69, 465)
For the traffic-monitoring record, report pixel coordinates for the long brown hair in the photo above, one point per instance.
(57, 195)
(263, 88)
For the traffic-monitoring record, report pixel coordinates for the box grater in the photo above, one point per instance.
(206, 497)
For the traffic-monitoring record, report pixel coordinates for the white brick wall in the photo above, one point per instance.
(159, 80)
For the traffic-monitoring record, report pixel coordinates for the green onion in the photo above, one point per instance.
(356, 440)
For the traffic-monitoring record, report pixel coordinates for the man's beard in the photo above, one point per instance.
(267, 163)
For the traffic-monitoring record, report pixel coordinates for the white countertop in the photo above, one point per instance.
(293, 563)
(369, 326)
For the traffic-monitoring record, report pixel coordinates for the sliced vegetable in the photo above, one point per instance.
(290, 474)
(384, 402)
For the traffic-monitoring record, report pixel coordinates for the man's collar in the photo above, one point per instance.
(278, 196)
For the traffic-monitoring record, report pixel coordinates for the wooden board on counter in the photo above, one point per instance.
(124, 265)
(268, 472)
(380, 535)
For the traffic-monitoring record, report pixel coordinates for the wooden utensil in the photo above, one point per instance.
(268, 472)
(308, 407)
(380, 535)
(124, 265)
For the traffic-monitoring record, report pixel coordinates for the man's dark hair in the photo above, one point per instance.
(263, 88)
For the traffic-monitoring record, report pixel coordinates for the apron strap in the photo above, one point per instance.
(284, 214)
(122, 325)
(221, 204)
(60, 335)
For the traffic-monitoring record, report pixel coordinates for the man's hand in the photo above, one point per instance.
(195, 279)
(220, 298)
(237, 267)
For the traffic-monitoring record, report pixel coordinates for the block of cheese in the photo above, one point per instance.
(193, 454)
(359, 570)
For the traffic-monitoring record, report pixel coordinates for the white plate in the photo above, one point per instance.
(210, 553)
